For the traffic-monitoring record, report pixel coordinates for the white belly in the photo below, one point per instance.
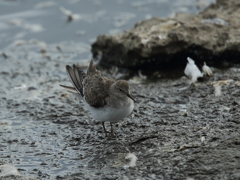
(110, 114)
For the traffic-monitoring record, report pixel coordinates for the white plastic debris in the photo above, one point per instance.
(206, 70)
(133, 159)
(20, 86)
(203, 139)
(8, 170)
(217, 90)
(192, 71)
(218, 86)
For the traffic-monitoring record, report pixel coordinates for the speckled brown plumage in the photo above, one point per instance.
(106, 99)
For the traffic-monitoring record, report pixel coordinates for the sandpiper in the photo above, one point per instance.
(105, 98)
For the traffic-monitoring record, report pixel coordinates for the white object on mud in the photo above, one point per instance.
(207, 70)
(218, 90)
(192, 70)
(203, 139)
(133, 159)
(218, 86)
(8, 170)
(20, 86)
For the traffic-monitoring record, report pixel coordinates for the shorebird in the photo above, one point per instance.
(105, 98)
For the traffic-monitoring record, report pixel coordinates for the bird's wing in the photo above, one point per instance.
(92, 69)
(96, 90)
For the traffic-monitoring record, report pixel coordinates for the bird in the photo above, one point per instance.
(105, 98)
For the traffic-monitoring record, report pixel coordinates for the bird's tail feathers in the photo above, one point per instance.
(72, 90)
(76, 75)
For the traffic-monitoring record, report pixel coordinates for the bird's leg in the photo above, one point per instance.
(104, 129)
(112, 131)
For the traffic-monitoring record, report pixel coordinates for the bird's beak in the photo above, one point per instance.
(130, 96)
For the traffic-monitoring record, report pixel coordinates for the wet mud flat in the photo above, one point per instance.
(174, 132)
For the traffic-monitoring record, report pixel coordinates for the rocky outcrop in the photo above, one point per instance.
(212, 36)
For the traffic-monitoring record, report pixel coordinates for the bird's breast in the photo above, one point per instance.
(111, 113)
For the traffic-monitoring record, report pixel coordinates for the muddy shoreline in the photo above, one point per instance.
(175, 132)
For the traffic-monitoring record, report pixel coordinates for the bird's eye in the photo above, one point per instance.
(120, 89)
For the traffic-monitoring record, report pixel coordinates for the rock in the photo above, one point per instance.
(31, 89)
(210, 36)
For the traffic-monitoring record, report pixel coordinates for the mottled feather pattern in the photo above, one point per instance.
(94, 91)
(92, 69)
(105, 98)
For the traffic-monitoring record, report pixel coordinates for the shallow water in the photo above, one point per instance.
(45, 21)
